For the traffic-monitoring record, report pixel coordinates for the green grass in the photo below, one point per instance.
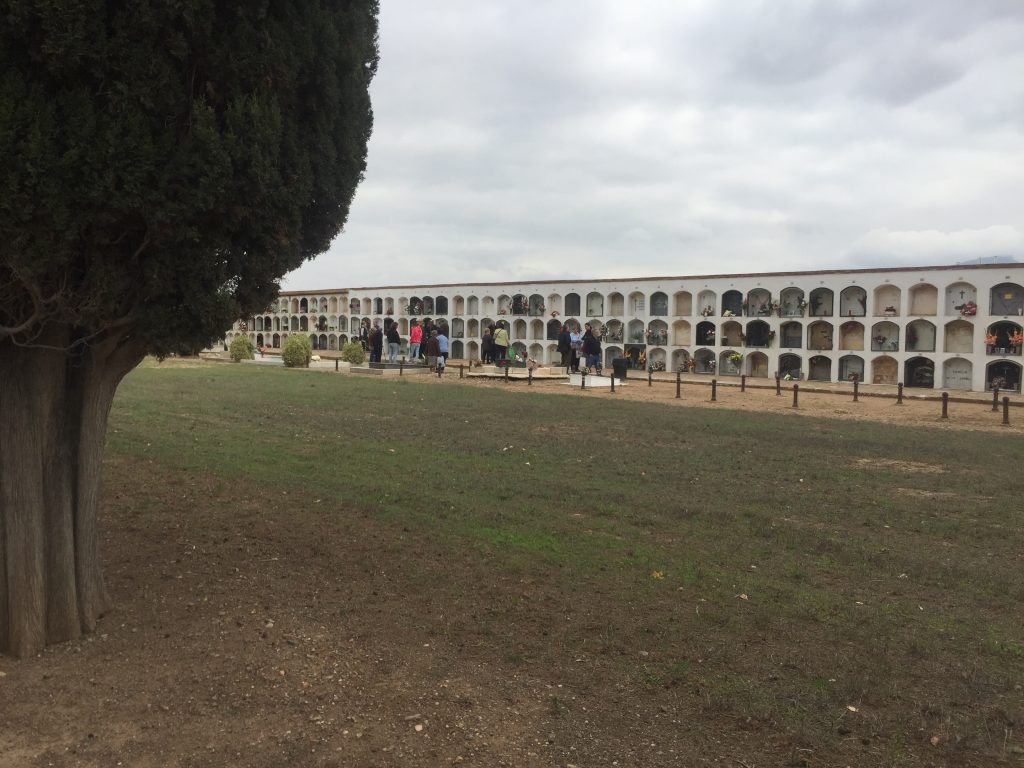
(866, 584)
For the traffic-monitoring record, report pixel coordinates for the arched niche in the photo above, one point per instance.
(681, 333)
(595, 304)
(758, 303)
(958, 337)
(473, 306)
(458, 328)
(554, 328)
(791, 335)
(706, 303)
(1003, 374)
(758, 334)
(792, 302)
(681, 360)
(920, 336)
(730, 362)
(613, 332)
(1007, 299)
(657, 332)
(704, 361)
(885, 337)
(706, 333)
(572, 305)
(488, 306)
(732, 304)
(924, 299)
(957, 373)
(819, 335)
(919, 372)
(961, 298)
(659, 304)
(683, 301)
(884, 370)
(819, 368)
(537, 306)
(616, 304)
(790, 366)
(555, 302)
(637, 304)
(820, 303)
(853, 302)
(851, 368)
(635, 332)
(851, 336)
(731, 334)
(757, 365)
(536, 329)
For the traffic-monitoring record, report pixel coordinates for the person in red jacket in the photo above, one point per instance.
(415, 339)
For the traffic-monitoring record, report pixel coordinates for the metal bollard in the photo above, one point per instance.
(461, 366)
(796, 395)
(506, 373)
(743, 383)
(714, 390)
(1006, 411)
(995, 399)
(335, 364)
(945, 405)
(778, 385)
(613, 383)
(583, 378)
(529, 377)
(856, 399)
(679, 385)
(650, 378)
(401, 366)
(899, 393)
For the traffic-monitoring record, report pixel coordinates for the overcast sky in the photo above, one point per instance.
(585, 138)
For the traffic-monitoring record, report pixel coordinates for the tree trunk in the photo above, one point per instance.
(53, 418)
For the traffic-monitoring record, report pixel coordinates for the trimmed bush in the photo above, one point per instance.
(241, 349)
(297, 351)
(354, 353)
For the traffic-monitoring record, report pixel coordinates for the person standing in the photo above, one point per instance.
(427, 330)
(442, 347)
(376, 343)
(364, 336)
(501, 342)
(591, 349)
(487, 345)
(433, 350)
(565, 347)
(415, 339)
(394, 342)
(575, 341)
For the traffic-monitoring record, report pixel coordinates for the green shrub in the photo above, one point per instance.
(241, 349)
(297, 351)
(354, 353)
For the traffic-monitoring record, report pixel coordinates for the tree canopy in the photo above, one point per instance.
(164, 164)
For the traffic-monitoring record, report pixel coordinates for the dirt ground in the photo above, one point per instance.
(966, 410)
(325, 656)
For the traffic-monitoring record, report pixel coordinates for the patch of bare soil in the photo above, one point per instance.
(902, 466)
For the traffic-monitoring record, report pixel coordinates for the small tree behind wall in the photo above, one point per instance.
(164, 164)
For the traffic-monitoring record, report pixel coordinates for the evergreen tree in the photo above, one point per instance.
(162, 165)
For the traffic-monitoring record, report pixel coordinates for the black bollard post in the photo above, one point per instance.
(506, 373)
(743, 383)
(461, 366)
(650, 378)
(714, 390)
(335, 364)
(856, 382)
(995, 399)
(679, 385)
(1006, 411)
(613, 382)
(529, 377)
(778, 386)
(583, 378)
(796, 395)
(945, 405)
(401, 366)
(899, 393)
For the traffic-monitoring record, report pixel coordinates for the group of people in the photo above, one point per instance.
(435, 350)
(494, 344)
(574, 347)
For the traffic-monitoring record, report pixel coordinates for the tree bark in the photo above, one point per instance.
(54, 405)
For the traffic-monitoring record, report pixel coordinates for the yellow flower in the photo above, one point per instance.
(657, 574)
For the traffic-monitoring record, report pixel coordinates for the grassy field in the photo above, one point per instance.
(754, 589)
